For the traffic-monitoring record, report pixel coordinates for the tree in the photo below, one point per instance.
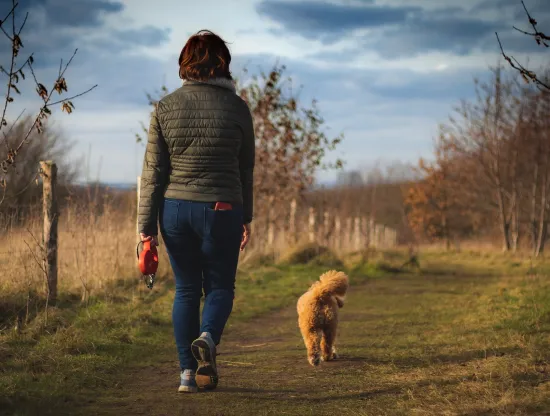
(486, 135)
(537, 159)
(51, 144)
(434, 207)
(541, 39)
(17, 135)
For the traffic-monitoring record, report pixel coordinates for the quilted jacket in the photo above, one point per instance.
(201, 148)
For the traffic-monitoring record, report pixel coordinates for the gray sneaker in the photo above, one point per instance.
(204, 351)
(188, 383)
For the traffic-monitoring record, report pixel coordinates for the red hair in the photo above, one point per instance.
(204, 56)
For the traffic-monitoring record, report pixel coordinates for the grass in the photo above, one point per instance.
(411, 344)
(81, 348)
(467, 334)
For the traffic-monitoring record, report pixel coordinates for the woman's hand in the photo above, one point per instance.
(153, 238)
(246, 236)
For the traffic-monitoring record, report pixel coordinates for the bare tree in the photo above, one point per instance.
(486, 130)
(14, 144)
(536, 151)
(51, 144)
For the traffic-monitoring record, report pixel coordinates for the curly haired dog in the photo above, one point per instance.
(318, 315)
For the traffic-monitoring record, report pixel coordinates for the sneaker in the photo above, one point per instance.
(204, 351)
(188, 383)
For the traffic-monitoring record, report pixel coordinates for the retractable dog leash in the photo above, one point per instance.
(148, 261)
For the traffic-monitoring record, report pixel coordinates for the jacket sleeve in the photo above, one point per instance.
(154, 177)
(246, 165)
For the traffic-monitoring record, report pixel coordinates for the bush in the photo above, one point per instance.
(302, 253)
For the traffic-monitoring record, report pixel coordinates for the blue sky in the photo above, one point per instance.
(385, 72)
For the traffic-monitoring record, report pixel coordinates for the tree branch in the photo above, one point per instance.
(528, 76)
(60, 86)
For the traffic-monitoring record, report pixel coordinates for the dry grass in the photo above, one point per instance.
(96, 249)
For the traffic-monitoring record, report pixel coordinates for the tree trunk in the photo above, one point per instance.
(504, 224)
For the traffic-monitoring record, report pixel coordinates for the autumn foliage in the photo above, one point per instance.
(491, 169)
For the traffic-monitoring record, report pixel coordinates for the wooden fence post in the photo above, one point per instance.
(51, 219)
(337, 234)
(326, 228)
(311, 230)
(292, 222)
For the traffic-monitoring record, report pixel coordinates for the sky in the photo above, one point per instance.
(384, 72)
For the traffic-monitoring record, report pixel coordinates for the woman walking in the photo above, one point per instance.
(196, 184)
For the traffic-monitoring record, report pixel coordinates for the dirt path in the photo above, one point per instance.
(410, 345)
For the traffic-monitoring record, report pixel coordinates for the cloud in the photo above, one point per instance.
(330, 21)
(63, 13)
(404, 29)
(110, 56)
(423, 33)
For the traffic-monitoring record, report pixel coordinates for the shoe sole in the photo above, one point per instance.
(188, 389)
(206, 375)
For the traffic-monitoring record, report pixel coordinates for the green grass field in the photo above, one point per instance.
(468, 334)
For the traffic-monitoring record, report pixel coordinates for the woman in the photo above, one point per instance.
(197, 180)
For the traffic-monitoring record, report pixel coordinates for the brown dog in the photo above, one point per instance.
(318, 315)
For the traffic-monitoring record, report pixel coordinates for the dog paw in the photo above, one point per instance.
(314, 361)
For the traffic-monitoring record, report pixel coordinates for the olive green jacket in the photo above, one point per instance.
(201, 148)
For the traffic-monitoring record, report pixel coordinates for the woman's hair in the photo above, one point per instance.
(204, 56)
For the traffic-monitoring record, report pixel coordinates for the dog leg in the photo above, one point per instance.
(312, 339)
(328, 350)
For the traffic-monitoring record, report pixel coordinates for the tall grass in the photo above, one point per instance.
(96, 247)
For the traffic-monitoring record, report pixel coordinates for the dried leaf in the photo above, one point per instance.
(66, 108)
(60, 85)
(17, 41)
(42, 91)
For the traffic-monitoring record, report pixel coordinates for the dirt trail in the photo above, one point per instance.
(407, 345)
(261, 363)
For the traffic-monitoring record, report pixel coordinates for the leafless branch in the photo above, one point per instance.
(64, 100)
(540, 38)
(528, 76)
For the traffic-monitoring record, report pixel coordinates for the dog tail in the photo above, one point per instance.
(332, 283)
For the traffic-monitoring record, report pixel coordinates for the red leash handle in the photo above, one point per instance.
(148, 258)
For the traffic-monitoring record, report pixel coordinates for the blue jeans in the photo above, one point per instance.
(203, 247)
